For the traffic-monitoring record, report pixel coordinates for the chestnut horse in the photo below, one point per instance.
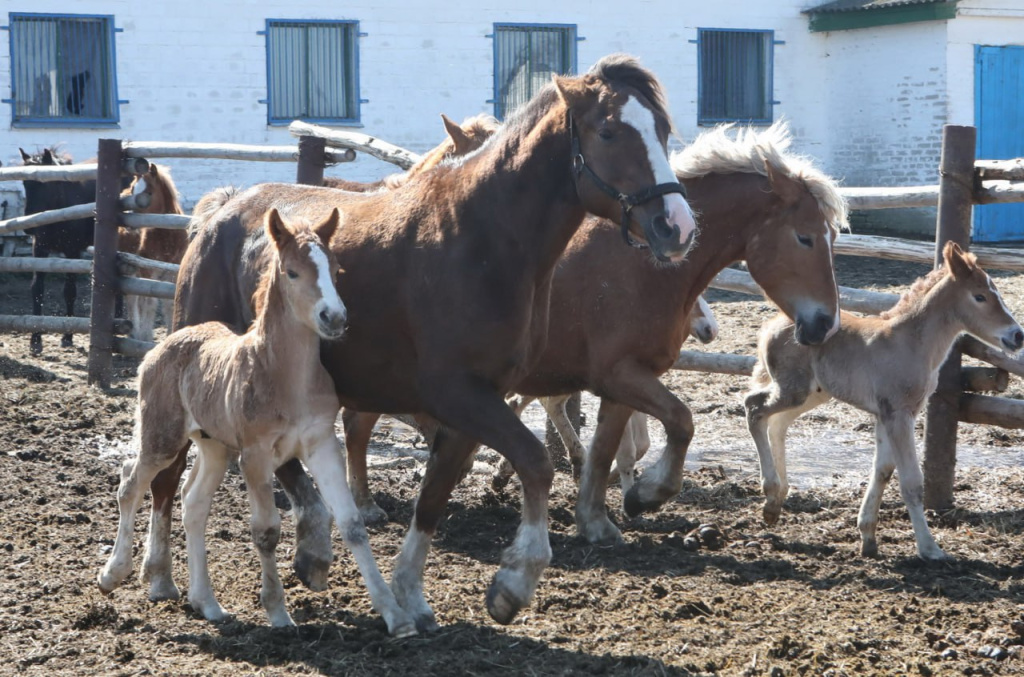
(461, 140)
(159, 244)
(448, 281)
(618, 318)
(886, 365)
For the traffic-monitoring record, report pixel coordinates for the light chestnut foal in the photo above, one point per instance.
(263, 395)
(886, 365)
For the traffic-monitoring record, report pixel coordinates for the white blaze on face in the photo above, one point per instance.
(677, 211)
(140, 186)
(329, 299)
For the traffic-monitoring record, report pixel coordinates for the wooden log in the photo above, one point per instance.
(48, 324)
(382, 150)
(170, 221)
(857, 300)
(894, 197)
(1000, 192)
(23, 264)
(312, 159)
(984, 379)
(82, 211)
(995, 258)
(1000, 170)
(138, 286)
(980, 351)
(716, 363)
(104, 269)
(989, 410)
(956, 200)
(225, 151)
(142, 262)
(43, 173)
(130, 347)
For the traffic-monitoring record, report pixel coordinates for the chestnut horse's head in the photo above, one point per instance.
(160, 191)
(306, 271)
(619, 128)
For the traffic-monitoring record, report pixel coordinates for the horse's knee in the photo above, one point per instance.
(266, 537)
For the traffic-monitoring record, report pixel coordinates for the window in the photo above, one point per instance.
(735, 76)
(312, 71)
(525, 57)
(62, 70)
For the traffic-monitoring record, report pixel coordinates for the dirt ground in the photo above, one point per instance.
(795, 599)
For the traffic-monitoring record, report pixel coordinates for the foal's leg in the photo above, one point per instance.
(592, 521)
(555, 408)
(358, 429)
(314, 550)
(70, 294)
(478, 413)
(256, 464)
(633, 446)
(504, 473)
(328, 469)
(196, 498)
(156, 560)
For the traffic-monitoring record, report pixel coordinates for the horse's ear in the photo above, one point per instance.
(276, 228)
(572, 91)
(48, 157)
(959, 264)
(783, 186)
(25, 157)
(457, 135)
(325, 231)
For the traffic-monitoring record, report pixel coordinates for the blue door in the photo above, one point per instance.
(999, 117)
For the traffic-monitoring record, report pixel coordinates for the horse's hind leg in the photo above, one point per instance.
(265, 525)
(70, 294)
(328, 469)
(156, 562)
(505, 471)
(358, 428)
(633, 446)
(555, 408)
(592, 521)
(314, 550)
(196, 498)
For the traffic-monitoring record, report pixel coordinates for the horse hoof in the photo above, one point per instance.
(311, 571)
(373, 515)
(771, 514)
(160, 593)
(869, 548)
(35, 345)
(406, 629)
(633, 505)
(107, 583)
(500, 605)
(67, 342)
(424, 623)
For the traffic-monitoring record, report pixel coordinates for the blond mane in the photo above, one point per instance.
(752, 150)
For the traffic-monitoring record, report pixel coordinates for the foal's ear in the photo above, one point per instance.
(276, 229)
(783, 186)
(456, 134)
(572, 91)
(960, 265)
(325, 231)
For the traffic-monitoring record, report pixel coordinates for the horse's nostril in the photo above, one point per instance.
(1018, 337)
(324, 317)
(662, 228)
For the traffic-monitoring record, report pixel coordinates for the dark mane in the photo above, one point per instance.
(912, 297)
(59, 155)
(623, 69)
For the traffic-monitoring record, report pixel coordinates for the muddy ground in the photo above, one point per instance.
(793, 599)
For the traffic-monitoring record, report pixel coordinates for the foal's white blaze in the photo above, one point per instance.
(329, 299)
(677, 211)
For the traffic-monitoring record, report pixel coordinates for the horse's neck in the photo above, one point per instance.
(929, 323)
(287, 349)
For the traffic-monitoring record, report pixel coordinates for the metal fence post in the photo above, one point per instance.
(956, 199)
(104, 264)
(312, 160)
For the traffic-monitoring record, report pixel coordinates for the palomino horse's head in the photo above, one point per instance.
(306, 270)
(977, 303)
(703, 325)
(619, 128)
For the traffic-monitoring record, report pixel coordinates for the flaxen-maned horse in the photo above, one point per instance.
(263, 396)
(160, 244)
(618, 317)
(886, 365)
(448, 280)
(461, 140)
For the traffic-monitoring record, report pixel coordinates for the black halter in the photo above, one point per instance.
(579, 167)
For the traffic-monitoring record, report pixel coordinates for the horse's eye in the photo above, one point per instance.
(980, 298)
(606, 134)
(805, 240)
(292, 274)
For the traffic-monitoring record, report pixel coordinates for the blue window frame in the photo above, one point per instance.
(62, 70)
(734, 76)
(312, 71)
(525, 57)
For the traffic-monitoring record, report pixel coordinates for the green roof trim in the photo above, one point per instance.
(882, 16)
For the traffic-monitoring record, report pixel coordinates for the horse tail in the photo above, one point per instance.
(209, 205)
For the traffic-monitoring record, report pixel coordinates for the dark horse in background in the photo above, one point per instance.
(69, 238)
(447, 280)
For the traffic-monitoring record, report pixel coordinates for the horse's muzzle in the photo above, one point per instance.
(331, 325)
(815, 332)
(1013, 340)
(668, 241)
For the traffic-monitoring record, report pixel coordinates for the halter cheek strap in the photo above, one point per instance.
(627, 201)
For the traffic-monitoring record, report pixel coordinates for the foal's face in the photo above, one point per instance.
(980, 307)
(790, 256)
(623, 140)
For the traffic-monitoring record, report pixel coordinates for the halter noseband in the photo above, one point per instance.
(580, 167)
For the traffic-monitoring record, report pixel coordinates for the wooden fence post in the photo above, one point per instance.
(956, 199)
(104, 263)
(312, 160)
